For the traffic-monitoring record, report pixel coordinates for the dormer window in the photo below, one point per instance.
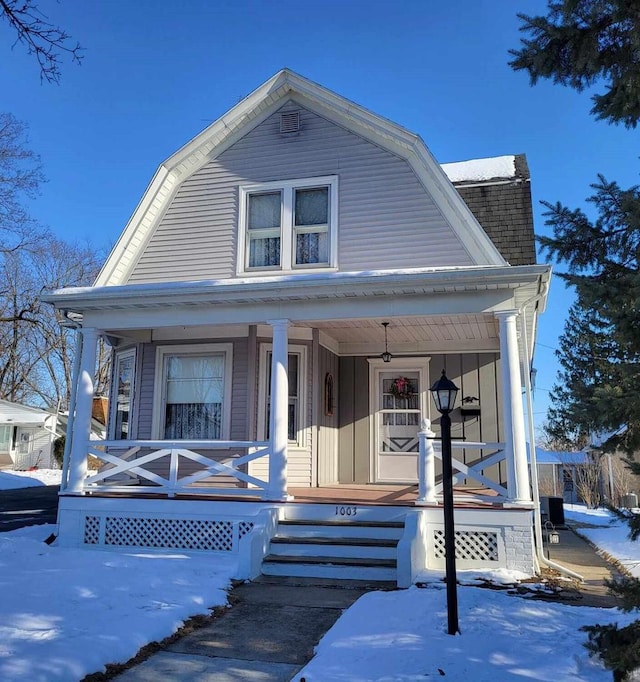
(288, 225)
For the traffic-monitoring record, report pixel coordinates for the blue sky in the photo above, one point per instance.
(157, 72)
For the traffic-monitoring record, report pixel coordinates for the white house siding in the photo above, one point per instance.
(387, 219)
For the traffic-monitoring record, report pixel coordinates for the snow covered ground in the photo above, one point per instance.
(610, 535)
(11, 480)
(65, 613)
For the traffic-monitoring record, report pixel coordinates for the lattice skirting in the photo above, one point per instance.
(213, 535)
(470, 545)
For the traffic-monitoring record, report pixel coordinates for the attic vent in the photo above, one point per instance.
(290, 122)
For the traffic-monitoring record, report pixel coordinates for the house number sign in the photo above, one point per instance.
(346, 511)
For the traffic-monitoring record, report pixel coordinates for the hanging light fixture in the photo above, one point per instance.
(386, 356)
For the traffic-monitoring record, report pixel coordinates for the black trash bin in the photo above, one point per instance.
(554, 509)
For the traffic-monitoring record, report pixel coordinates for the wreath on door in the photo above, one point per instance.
(401, 388)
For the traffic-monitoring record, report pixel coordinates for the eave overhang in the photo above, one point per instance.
(530, 280)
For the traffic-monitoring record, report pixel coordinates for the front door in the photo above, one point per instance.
(399, 396)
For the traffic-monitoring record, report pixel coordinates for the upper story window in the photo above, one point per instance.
(288, 225)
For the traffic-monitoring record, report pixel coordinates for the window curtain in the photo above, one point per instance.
(312, 208)
(194, 397)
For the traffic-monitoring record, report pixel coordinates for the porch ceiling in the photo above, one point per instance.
(431, 329)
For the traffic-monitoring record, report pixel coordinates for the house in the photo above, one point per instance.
(291, 284)
(26, 436)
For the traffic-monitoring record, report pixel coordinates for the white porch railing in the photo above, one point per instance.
(430, 450)
(133, 466)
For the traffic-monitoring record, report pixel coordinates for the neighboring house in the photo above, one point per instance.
(250, 400)
(26, 436)
(557, 473)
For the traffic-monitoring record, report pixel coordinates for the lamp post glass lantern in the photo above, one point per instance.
(444, 393)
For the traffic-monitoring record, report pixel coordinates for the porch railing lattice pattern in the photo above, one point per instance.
(470, 545)
(161, 533)
(92, 530)
(177, 468)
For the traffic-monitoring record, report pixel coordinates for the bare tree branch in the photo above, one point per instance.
(47, 42)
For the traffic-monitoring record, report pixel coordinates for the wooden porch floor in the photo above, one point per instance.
(364, 494)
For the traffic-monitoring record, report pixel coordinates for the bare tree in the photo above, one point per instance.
(588, 479)
(45, 41)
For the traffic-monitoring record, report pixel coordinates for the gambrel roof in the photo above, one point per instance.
(256, 108)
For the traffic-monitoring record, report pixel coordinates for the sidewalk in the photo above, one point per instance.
(576, 553)
(266, 636)
(274, 624)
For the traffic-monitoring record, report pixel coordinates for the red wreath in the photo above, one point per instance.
(401, 388)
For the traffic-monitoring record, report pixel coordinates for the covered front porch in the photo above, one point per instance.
(296, 396)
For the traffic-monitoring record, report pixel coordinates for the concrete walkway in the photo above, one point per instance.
(576, 553)
(267, 636)
(274, 624)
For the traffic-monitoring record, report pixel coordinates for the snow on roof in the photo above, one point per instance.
(481, 169)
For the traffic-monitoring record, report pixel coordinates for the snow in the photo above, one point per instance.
(481, 169)
(401, 637)
(611, 534)
(11, 480)
(65, 613)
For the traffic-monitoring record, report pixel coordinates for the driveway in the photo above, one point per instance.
(28, 506)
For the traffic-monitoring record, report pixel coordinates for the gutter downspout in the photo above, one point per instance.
(537, 519)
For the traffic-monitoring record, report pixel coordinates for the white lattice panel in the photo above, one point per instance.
(92, 530)
(198, 534)
(244, 527)
(470, 545)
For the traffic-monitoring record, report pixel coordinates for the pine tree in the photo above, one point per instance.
(580, 43)
(600, 348)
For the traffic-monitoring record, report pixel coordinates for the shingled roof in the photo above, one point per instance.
(498, 192)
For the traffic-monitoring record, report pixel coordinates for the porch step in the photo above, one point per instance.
(336, 549)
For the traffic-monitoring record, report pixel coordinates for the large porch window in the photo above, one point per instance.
(193, 386)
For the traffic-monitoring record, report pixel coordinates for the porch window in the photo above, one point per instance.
(5, 438)
(288, 225)
(122, 392)
(296, 374)
(193, 383)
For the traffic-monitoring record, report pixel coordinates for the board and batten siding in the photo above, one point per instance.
(475, 374)
(387, 219)
(327, 450)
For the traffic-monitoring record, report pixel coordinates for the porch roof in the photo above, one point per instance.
(530, 280)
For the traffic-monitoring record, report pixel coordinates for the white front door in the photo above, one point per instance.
(399, 401)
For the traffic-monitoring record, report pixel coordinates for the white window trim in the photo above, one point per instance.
(286, 238)
(265, 349)
(117, 358)
(159, 387)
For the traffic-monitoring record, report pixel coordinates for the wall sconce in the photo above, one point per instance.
(386, 356)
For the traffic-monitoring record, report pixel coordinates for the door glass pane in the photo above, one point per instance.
(123, 397)
(400, 419)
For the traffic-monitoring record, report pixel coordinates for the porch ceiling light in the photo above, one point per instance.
(386, 356)
(444, 394)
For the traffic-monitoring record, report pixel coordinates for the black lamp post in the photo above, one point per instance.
(444, 393)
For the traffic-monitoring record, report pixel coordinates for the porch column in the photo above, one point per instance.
(426, 465)
(516, 449)
(279, 416)
(84, 405)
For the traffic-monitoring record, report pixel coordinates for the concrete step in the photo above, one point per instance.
(384, 549)
(368, 574)
(341, 529)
